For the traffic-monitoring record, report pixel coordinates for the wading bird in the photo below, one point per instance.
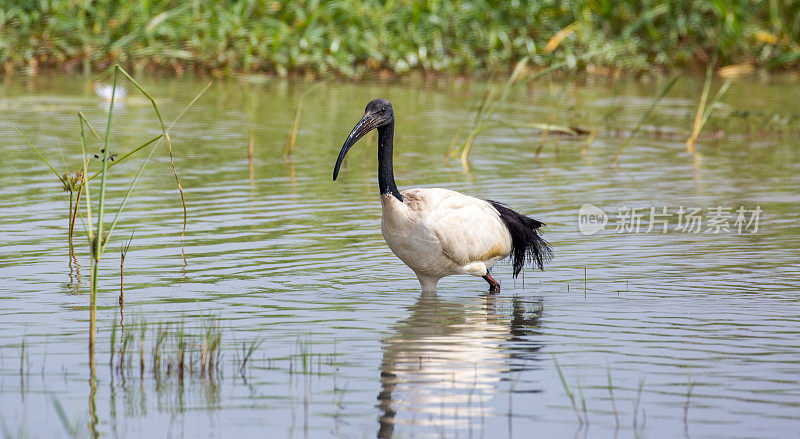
(439, 232)
(105, 91)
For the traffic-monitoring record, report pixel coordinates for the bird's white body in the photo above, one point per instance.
(439, 232)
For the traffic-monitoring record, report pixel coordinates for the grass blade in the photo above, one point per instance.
(89, 124)
(103, 174)
(698, 124)
(644, 117)
(288, 147)
(636, 406)
(85, 187)
(39, 154)
(165, 133)
(119, 69)
(189, 105)
(710, 108)
(130, 189)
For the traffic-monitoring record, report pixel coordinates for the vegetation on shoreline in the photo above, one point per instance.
(353, 37)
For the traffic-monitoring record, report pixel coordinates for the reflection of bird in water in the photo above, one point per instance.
(105, 91)
(439, 232)
(445, 361)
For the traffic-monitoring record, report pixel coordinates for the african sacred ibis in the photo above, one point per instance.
(439, 232)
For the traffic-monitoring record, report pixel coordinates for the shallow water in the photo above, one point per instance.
(698, 332)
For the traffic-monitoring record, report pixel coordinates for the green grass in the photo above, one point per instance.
(170, 350)
(98, 238)
(355, 37)
(78, 181)
(169, 345)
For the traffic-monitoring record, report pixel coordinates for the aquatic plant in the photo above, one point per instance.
(611, 395)
(490, 103)
(170, 350)
(288, 147)
(76, 181)
(248, 349)
(569, 393)
(70, 183)
(98, 237)
(703, 110)
(71, 427)
(689, 387)
(354, 37)
(636, 406)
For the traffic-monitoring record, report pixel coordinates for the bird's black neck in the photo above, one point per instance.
(385, 167)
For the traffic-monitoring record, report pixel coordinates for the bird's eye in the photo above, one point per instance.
(383, 110)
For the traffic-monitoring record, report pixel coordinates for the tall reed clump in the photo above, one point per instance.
(98, 237)
(74, 183)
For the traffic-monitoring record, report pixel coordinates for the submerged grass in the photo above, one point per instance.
(69, 426)
(168, 345)
(168, 350)
(569, 393)
(580, 408)
(689, 387)
(123, 252)
(248, 349)
(611, 395)
(636, 406)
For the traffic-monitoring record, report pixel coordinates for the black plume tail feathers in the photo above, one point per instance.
(527, 246)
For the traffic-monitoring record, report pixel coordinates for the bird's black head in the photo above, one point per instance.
(380, 108)
(378, 114)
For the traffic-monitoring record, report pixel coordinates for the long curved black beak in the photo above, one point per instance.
(367, 123)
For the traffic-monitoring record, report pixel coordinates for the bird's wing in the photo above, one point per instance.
(468, 228)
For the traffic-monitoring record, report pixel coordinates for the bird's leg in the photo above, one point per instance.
(494, 286)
